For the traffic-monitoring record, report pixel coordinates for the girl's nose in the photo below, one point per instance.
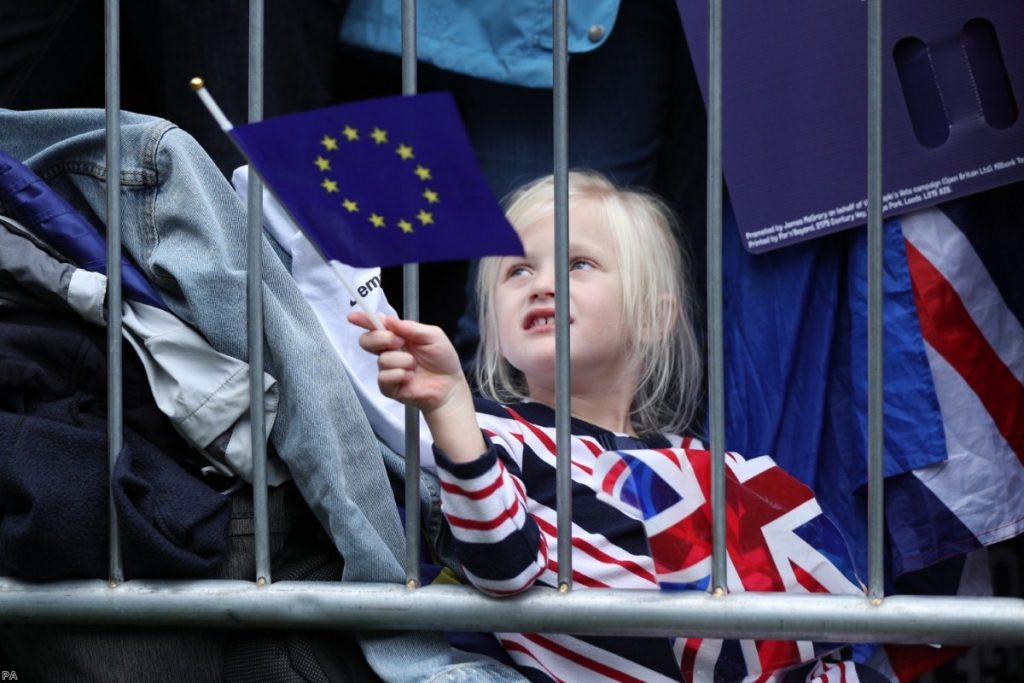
(543, 285)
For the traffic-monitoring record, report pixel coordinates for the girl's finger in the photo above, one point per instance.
(396, 359)
(415, 332)
(360, 319)
(391, 381)
(378, 341)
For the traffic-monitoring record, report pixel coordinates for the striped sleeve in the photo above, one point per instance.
(496, 539)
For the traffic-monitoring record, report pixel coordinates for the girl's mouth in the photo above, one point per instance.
(540, 319)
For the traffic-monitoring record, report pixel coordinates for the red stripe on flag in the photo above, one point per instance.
(513, 646)
(689, 659)
(911, 661)
(598, 554)
(948, 327)
(595, 449)
(587, 662)
(773, 655)
(577, 576)
(544, 438)
(491, 434)
(806, 579)
(671, 455)
(608, 485)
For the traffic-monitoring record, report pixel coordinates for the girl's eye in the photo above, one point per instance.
(517, 271)
(580, 264)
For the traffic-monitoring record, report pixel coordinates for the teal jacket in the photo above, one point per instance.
(508, 41)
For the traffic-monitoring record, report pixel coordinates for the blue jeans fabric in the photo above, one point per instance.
(186, 229)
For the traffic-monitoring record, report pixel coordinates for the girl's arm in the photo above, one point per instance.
(419, 366)
(496, 539)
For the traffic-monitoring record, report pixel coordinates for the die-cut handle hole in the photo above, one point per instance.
(988, 69)
(921, 92)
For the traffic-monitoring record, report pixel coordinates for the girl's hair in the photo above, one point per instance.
(657, 301)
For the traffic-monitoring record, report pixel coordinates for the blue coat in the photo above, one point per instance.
(508, 41)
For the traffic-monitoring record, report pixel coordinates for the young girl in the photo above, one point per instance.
(635, 380)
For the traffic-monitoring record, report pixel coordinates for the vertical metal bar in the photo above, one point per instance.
(411, 310)
(254, 310)
(876, 445)
(563, 411)
(115, 397)
(716, 401)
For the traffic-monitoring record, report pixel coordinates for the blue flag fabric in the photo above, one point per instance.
(381, 182)
(796, 372)
(52, 219)
(795, 369)
(795, 352)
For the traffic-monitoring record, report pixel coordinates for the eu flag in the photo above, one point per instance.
(381, 182)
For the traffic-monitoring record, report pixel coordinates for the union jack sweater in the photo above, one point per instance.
(501, 509)
(634, 499)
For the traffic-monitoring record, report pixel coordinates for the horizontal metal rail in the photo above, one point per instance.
(331, 605)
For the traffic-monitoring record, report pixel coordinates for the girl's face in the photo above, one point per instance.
(524, 303)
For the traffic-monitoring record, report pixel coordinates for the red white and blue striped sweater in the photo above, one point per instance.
(501, 509)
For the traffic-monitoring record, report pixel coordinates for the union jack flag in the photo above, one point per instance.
(777, 540)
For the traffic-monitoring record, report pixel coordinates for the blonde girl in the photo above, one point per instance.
(635, 378)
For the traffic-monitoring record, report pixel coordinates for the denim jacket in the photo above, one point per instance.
(186, 229)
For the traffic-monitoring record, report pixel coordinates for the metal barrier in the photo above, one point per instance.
(715, 614)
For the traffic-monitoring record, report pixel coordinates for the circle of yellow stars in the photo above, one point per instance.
(379, 136)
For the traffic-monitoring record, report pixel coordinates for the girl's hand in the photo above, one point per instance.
(419, 366)
(417, 363)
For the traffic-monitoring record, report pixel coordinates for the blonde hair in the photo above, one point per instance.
(657, 301)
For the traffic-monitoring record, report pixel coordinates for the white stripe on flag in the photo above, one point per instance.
(981, 469)
(941, 242)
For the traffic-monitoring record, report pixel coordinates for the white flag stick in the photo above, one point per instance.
(199, 88)
(206, 98)
(336, 269)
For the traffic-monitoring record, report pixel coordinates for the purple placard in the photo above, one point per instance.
(795, 107)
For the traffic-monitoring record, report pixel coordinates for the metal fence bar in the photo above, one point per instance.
(876, 445)
(563, 390)
(333, 605)
(254, 309)
(716, 381)
(411, 311)
(115, 396)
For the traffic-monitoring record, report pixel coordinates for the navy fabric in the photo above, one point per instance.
(53, 464)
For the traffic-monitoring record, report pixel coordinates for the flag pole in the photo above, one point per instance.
(199, 88)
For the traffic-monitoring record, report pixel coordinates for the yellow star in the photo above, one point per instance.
(405, 225)
(404, 151)
(426, 218)
(379, 136)
(431, 196)
(378, 221)
(329, 185)
(329, 143)
(352, 134)
(350, 205)
(322, 164)
(423, 172)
